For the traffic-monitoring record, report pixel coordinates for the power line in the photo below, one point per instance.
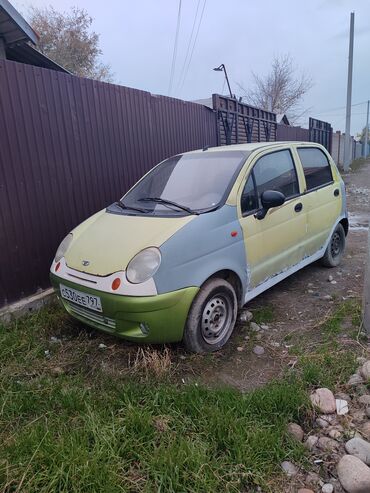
(195, 41)
(325, 112)
(189, 44)
(175, 49)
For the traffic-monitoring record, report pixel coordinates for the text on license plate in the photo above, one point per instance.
(83, 299)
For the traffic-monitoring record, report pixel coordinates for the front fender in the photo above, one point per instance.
(201, 248)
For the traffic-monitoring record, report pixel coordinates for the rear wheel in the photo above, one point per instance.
(212, 317)
(335, 249)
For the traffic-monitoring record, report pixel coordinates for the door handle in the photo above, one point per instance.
(298, 207)
(336, 192)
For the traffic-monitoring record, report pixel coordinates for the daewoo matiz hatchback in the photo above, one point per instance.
(199, 236)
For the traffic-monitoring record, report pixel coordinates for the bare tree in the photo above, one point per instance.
(66, 38)
(281, 90)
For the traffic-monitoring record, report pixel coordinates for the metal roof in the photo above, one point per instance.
(13, 27)
(25, 53)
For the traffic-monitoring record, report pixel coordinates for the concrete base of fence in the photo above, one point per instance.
(26, 305)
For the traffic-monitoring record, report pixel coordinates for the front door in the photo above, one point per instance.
(276, 242)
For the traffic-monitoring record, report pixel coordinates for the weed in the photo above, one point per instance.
(263, 314)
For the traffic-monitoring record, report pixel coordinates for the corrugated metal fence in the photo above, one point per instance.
(69, 147)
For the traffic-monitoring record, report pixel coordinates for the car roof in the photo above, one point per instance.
(254, 146)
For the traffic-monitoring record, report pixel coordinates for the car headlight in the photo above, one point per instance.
(144, 265)
(63, 247)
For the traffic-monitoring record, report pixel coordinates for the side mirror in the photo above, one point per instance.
(270, 199)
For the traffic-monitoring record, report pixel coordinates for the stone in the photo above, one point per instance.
(334, 433)
(365, 430)
(360, 360)
(327, 297)
(289, 468)
(322, 423)
(255, 327)
(240, 349)
(327, 488)
(359, 448)
(365, 370)
(327, 444)
(330, 278)
(364, 399)
(353, 474)
(312, 479)
(342, 407)
(246, 316)
(333, 282)
(324, 400)
(55, 340)
(259, 350)
(368, 411)
(355, 379)
(296, 431)
(305, 490)
(343, 395)
(311, 442)
(265, 327)
(258, 337)
(102, 346)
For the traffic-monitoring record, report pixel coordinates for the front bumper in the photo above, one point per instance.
(151, 319)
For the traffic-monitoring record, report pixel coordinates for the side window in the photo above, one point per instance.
(249, 200)
(276, 171)
(316, 167)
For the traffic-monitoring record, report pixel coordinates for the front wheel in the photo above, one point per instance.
(335, 249)
(212, 317)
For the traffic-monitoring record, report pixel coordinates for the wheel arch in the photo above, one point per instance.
(233, 278)
(345, 223)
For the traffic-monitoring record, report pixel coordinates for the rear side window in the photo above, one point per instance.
(316, 167)
(276, 171)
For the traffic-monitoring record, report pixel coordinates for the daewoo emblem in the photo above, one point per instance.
(85, 263)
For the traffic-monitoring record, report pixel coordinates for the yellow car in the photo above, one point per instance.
(199, 236)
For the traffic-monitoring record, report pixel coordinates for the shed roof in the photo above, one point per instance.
(13, 27)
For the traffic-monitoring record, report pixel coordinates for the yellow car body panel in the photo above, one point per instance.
(110, 241)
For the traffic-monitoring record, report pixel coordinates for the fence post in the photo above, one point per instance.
(366, 293)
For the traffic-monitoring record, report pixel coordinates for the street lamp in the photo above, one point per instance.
(222, 68)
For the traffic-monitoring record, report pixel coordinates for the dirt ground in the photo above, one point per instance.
(290, 311)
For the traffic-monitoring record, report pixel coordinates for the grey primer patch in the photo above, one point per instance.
(201, 248)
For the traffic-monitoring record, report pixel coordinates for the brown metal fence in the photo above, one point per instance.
(68, 147)
(286, 132)
(238, 122)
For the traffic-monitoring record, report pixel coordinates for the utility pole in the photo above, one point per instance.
(367, 131)
(347, 140)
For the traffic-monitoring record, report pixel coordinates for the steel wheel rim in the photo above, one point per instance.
(216, 318)
(336, 244)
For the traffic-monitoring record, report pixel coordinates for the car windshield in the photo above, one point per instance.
(185, 184)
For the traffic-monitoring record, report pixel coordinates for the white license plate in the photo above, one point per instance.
(87, 300)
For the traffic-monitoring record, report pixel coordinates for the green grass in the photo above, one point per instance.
(90, 431)
(263, 314)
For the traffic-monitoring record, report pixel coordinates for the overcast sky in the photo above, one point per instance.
(137, 39)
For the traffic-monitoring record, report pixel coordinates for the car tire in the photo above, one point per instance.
(335, 249)
(212, 317)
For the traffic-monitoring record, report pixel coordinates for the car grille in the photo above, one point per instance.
(94, 317)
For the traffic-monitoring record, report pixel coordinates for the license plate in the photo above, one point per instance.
(87, 300)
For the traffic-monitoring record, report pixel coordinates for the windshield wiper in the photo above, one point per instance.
(159, 200)
(124, 206)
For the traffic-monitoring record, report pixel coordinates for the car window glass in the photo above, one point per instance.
(276, 171)
(316, 167)
(249, 200)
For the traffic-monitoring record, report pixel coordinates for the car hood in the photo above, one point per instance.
(109, 241)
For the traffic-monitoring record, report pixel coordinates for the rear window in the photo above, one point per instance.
(316, 167)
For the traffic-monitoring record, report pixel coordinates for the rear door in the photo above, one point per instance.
(276, 242)
(322, 198)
